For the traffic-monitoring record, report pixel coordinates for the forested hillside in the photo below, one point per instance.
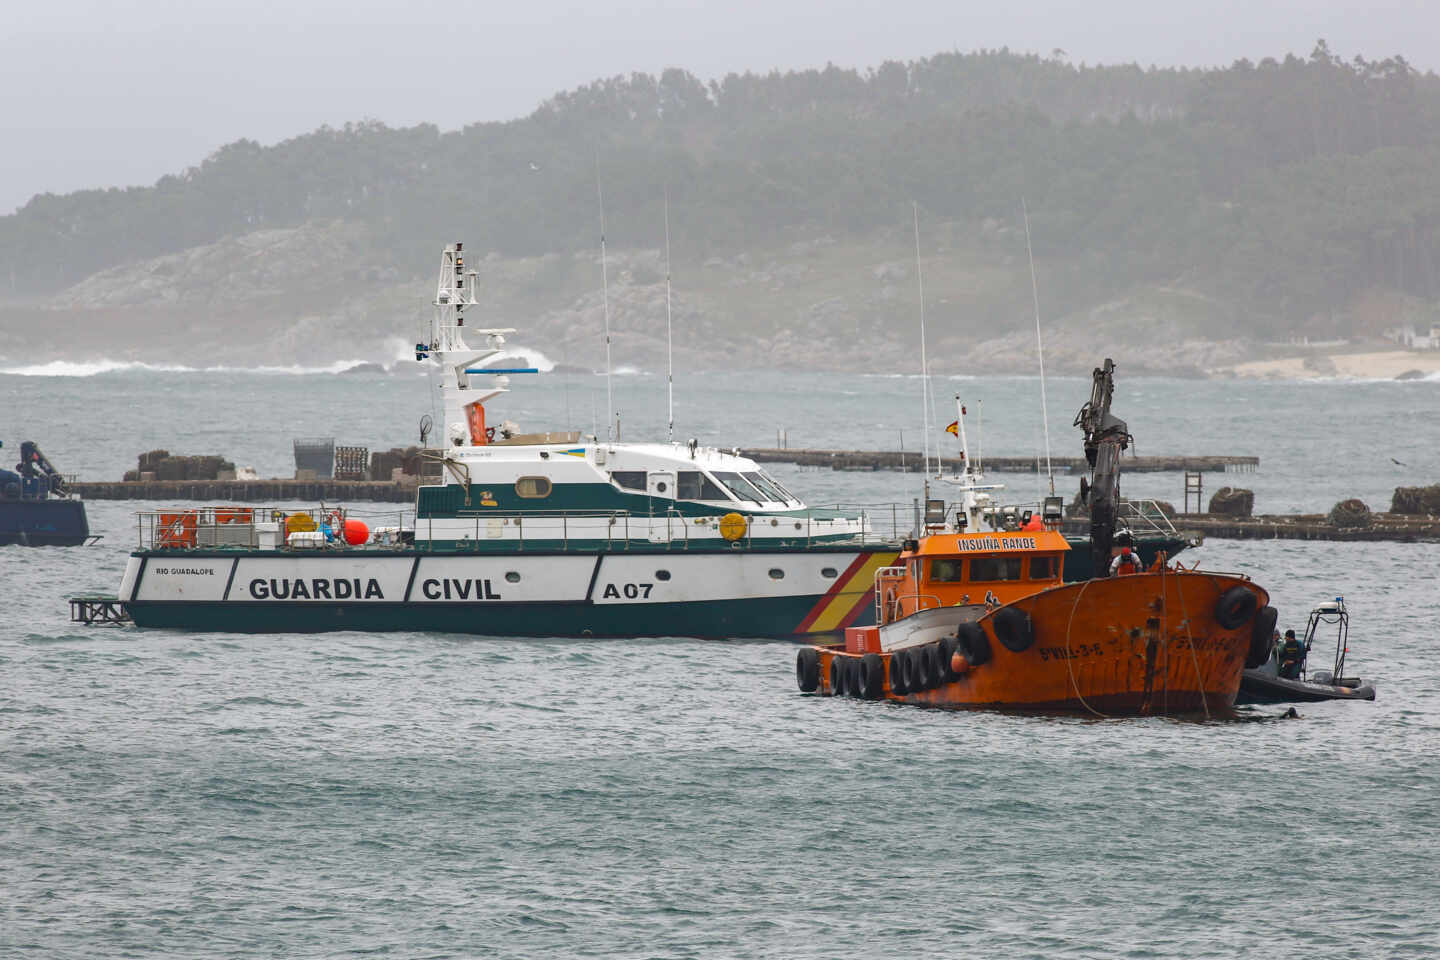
(1288, 189)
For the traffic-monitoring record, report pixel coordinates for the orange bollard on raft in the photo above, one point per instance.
(356, 532)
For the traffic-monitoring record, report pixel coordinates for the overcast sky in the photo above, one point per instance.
(100, 93)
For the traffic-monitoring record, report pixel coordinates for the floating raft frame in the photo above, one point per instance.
(91, 610)
(1398, 528)
(911, 462)
(243, 491)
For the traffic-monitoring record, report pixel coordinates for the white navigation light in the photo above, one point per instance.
(457, 433)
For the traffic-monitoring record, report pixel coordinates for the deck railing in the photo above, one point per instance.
(242, 527)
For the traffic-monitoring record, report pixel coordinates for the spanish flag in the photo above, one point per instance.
(954, 428)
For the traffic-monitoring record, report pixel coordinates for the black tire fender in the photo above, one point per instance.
(1235, 607)
(897, 673)
(872, 676)
(837, 676)
(1014, 629)
(973, 645)
(946, 650)
(1260, 636)
(852, 676)
(939, 672)
(922, 673)
(807, 669)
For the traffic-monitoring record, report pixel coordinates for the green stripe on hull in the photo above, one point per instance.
(763, 618)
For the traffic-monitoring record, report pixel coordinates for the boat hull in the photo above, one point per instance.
(1140, 645)
(564, 594)
(1258, 686)
(43, 523)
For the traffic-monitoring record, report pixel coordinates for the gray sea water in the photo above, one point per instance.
(418, 795)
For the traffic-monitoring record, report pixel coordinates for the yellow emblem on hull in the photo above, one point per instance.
(733, 526)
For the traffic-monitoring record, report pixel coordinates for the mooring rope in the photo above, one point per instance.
(1069, 663)
(1195, 660)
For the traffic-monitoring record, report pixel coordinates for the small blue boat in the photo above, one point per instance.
(36, 510)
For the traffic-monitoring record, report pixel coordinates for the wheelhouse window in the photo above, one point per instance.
(737, 485)
(694, 485)
(629, 479)
(983, 569)
(947, 570)
(1044, 568)
(766, 488)
(533, 488)
(779, 486)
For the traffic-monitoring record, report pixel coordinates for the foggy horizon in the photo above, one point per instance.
(140, 98)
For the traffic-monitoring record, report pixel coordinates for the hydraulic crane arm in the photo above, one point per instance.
(34, 464)
(1106, 437)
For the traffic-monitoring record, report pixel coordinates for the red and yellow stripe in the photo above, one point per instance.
(843, 603)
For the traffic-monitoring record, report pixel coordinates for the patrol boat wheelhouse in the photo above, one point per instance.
(543, 534)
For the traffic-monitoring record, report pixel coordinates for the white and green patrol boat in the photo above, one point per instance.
(541, 534)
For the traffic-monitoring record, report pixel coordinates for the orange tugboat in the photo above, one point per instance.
(970, 619)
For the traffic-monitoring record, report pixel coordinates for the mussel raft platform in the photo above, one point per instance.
(1395, 527)
(249, 491)
(911, 462)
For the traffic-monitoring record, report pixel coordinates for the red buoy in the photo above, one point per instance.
(356, 532)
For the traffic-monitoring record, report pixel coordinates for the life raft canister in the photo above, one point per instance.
(733, 526)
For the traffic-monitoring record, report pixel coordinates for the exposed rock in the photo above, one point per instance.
(1351, 513)
(244, 267)
(1233, 502)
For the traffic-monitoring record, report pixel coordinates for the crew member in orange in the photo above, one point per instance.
(1125, 564)
(1034, 523)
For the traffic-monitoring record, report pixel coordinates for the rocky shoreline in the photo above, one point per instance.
(246, 302)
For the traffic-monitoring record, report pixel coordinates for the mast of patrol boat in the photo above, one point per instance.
(974, 495)
(461, 399)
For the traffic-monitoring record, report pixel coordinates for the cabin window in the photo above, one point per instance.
(766, 488)
(629, 479)
(662, 574)
(994, 568)
(1044, 568)
(779, 486)
(512, 577)
(694, 485)
(776, 573)
(737, 485)
(533, 488)
(829, 573)
(947, 571)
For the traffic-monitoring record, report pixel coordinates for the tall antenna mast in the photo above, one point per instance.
(1039, 344)
(924, 363)
(605, 293)
(669, 338)
(980, 441)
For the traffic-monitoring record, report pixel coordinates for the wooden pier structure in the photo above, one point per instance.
(911, 462)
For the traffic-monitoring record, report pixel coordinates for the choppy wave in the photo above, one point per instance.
(93, 368)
